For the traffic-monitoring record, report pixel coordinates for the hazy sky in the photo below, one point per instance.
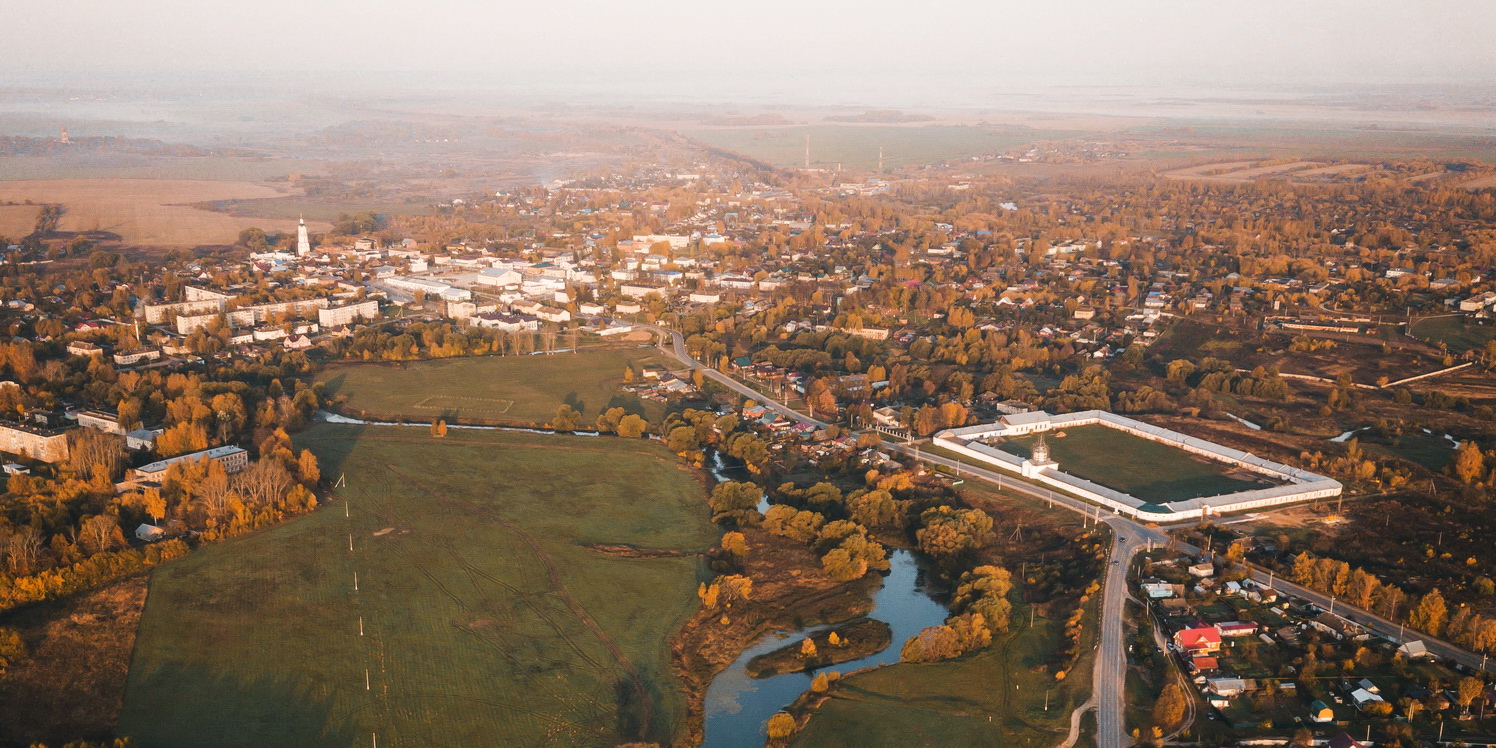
(1040, 41)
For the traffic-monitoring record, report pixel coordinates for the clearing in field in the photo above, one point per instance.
(484, 612)
(153, 212)
(1139, 467)
(522, 389)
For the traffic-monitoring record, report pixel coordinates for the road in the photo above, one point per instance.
(680, 352)
(1127, 537)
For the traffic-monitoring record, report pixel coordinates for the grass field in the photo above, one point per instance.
(141, 211)
(1455, 333)
(1135, 466)
(856, 147)
(525, 389)
(995, 698)
(487, 617)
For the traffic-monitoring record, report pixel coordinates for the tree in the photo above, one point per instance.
(439, 429)
(735, 502)
(182, 438)
(154, 503)
(807, 648)
(632, 426)
(1467, 691)
(263, 483)
(12, 649)
(1469, 463)
(100, 533)
(94, 455)
(307, 468)
(781, 726)
(682, 439)
(1429, 614)
(1170, 707)
(566, 418)
(734, 543)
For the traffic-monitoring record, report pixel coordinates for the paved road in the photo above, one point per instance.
(680, 352)
(1127, 537)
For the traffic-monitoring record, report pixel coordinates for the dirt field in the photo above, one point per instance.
(73, 683)
(1331, 171)
(141, 211)
(17, 220)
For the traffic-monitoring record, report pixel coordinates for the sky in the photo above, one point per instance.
(1272, 43)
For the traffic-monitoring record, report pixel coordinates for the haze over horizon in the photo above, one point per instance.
(697, 49)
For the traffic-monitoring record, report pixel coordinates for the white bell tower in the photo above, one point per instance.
(303, 244)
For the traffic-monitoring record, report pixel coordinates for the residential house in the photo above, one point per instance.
(1202, 640)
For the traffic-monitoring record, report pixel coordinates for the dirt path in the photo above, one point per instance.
(1075, 718)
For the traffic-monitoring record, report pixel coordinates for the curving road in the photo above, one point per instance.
(1127, 537)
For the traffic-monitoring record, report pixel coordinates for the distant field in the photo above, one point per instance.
(137, 166)
(17, 221)
(502, 388)
(290, 208)
(142, 211)
(1135, 466)
(486, 617)
(1454, 332)
(856, 147)
(996, 697)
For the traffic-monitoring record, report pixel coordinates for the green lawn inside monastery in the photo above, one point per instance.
(1145, 469)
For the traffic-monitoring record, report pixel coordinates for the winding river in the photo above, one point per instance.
(738, 706)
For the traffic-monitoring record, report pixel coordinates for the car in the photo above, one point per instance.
(1114, 562)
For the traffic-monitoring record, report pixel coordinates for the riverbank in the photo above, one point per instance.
(790, 591)
(854, 640)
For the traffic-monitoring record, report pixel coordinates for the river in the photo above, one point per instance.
(738, 706)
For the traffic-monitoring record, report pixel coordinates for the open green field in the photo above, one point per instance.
(1135, 466)
(488, 615)
(525, 389)
(995, 697)
(1454, 332)
(856, 146)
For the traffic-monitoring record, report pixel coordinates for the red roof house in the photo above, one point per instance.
(1203, 640)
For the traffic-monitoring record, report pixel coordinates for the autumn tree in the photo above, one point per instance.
(1467, 691)
(632, 426)
(1469, 463)
(735, 502)
(566, 418)
(781, 726)
(12, 649)
(1429, 614)
(1170, 708)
